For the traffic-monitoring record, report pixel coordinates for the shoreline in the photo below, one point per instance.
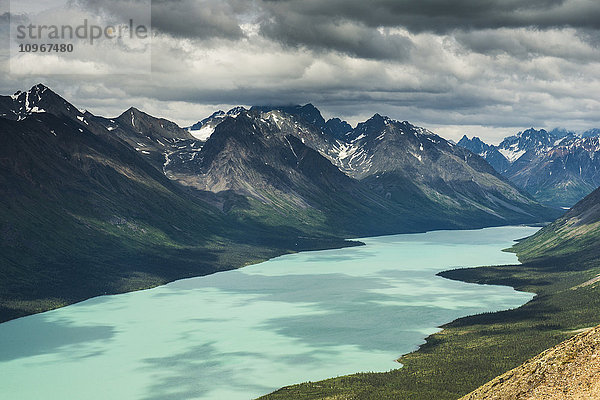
(473, 350)
(10, 310)
(400, 253)
(441, 328)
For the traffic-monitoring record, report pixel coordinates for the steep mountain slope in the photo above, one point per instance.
(155, 139)
(486, 151)
(454, 179)
(556, 167)
(578, 231)
(82, 213)
(204, 128)
(413, 177)
(569, 370)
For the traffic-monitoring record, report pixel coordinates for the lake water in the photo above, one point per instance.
(241, 334)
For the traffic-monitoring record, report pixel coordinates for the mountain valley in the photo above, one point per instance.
(95, 205)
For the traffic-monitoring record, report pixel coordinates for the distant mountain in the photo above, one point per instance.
(561, 133)
(203, 129)
(486, 151)
(594, 132)
(558, 168)
(563, 174)
(527, 145)
(381, 165)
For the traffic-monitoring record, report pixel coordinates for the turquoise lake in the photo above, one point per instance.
(244, 333)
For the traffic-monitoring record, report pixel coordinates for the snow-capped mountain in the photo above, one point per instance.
(594, 132)
(557, 167)
(309, 114)
(204, 128)
(490, 153)
(380, 163)
(531, 142)
(39, 99)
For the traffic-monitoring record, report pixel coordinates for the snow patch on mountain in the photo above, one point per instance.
(512, 154)
(203, 129)
(203, 133)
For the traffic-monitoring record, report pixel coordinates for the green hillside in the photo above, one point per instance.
(561, 264)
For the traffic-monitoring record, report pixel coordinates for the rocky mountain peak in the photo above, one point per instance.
(307, 113)
(561, 133)
(39, 99)
(594, 132)
(374, 125)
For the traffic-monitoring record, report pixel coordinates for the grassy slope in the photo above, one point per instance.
(472, 350)
(107, 254)
(124, 247)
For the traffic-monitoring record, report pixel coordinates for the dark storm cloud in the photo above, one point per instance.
(198, 19)
(357, 27)
(354, 26)
(349, 38)
(530, 44)
(442, 15)
(194, 19)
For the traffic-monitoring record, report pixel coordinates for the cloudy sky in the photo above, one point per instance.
(482, 67)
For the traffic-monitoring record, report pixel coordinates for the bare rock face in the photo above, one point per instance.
(570, 370)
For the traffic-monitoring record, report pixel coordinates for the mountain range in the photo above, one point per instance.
(93, 205)
(557, 167)
(426, 180)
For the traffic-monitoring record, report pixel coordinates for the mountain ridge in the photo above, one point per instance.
(558, 167)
